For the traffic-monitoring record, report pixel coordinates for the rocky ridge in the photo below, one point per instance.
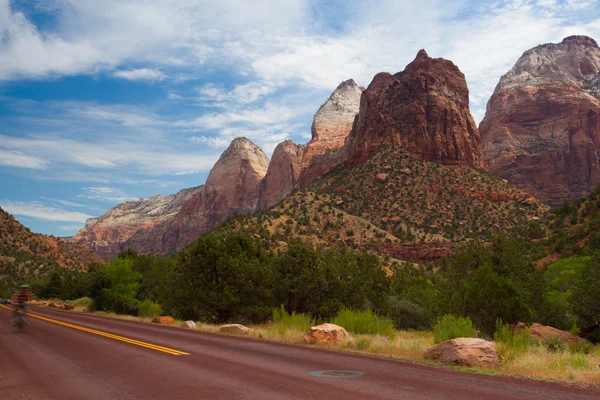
(541, 130)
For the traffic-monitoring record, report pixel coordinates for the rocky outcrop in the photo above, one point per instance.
(464, 351)
(326, 334)
(541, 130)
(163, 225)
(424, 108)
(295, 166)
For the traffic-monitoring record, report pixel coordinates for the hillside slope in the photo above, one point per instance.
(23, 252)
(397, 204)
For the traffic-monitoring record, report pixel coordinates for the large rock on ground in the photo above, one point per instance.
(424, 108)
(67, 306)
(542, 332)
(164, 320)
(326, 334)
(541, 129)
(464, 351)
(236, 329)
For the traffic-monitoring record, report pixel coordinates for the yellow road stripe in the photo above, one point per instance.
(105, 334)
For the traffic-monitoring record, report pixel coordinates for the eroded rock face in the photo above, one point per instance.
(295, 166)
(283, 173)
(424, 108)
(471, 352)
(163, 225)
(541, 130)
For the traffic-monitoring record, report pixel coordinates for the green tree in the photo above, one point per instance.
(120, 296)
(585, 298)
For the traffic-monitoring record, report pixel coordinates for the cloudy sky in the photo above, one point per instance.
(104, 101)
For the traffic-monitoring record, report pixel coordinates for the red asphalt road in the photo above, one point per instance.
(57, 362)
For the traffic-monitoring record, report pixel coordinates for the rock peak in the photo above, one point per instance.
(580, 39)
(422, 54)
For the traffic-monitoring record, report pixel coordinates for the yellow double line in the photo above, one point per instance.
(106, 334)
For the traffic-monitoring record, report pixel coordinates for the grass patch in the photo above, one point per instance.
(452, 327)
(284, 321)
(365, 322)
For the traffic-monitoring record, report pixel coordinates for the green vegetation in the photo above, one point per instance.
(285, 321)
(365, 322)
(149, 309)
(452, 327)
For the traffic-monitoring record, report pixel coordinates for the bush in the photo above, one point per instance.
(364, 322)
(581, 347)
(554, 344)
(286, 321)
(149, 309)
(452, 327)
(83, 302)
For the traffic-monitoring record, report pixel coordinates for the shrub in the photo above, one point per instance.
(452, 327)
(83, 302)
(581, 347)
(364, 322)
(286, 321)
(149, 309)
(554, 344)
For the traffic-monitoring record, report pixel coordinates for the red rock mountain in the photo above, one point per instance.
(162, 225)
(424, 109)
(541, 130)
(294, 166)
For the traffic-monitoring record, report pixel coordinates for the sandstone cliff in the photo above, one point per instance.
(424, 109)
(162, 225)
(541, 130)
(295, 166)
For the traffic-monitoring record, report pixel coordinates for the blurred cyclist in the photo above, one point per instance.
(21, 300)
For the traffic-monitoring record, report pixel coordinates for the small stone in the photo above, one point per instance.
(382, 177)
(188, 324)
(236, 329)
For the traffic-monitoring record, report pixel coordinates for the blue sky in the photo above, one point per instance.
(107, 101)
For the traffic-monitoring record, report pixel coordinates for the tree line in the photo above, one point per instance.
(228, 277)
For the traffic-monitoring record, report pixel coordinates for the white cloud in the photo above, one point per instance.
(108, 194)
(19, 160)
(215, 142)
(71, 228)
(149, 158)
(142, 74)
(38, 210)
